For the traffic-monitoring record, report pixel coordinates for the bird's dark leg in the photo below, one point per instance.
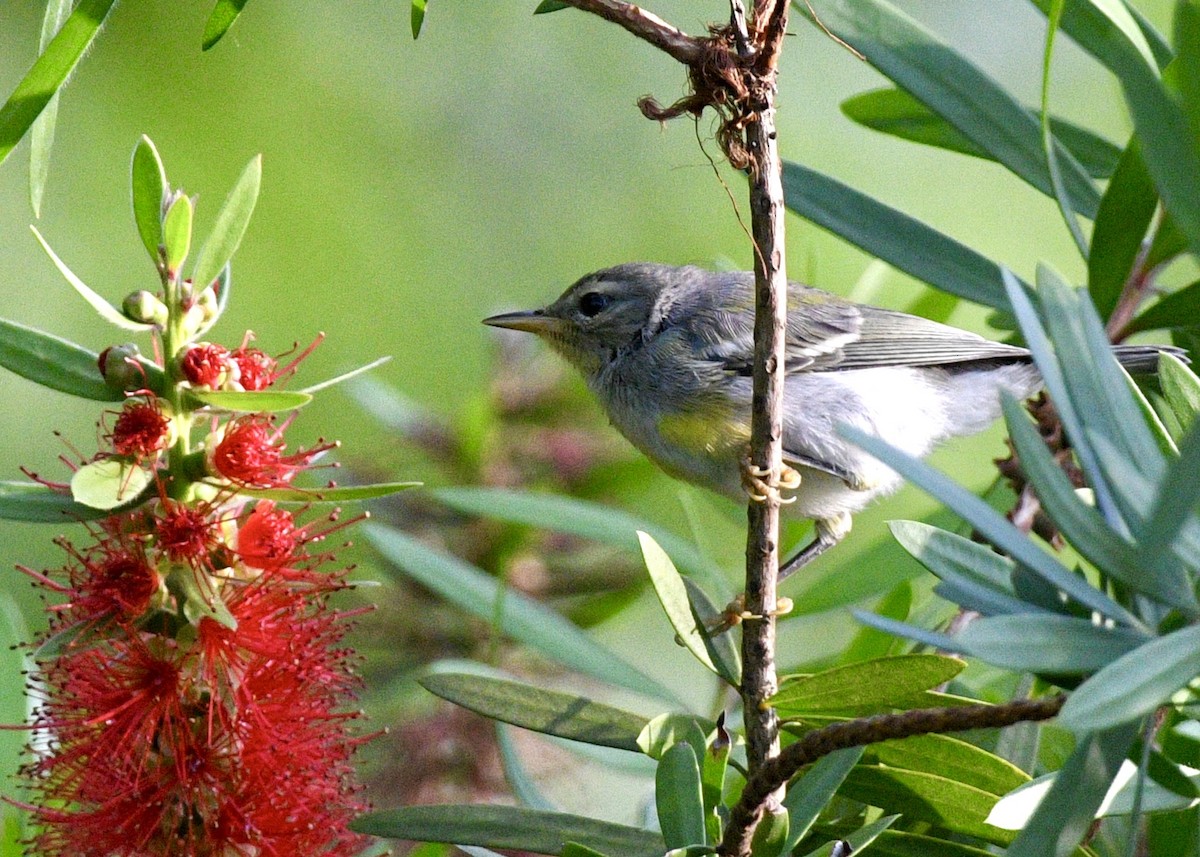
(830, 531)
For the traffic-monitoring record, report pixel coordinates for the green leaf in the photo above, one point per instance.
(950, 757)
(516, 615)
(230, 225)
(811, 793)
(550, 712)
(1049, 145)
(954, 88)
(106, 310)
(939, 800)
(866, 685)
(338, 494)
(723, 648)
(53, 362)
(41, 139)
(897, 843)
(992, 526)
(250, 401)
(1108, 29)
(109, 483)
(50, 71)
(550, 6)
(346, 376)
(678, 797)
(224, 13)
(1085, 529)
(177, 232)
(584, 519)
(1181, 388)
(664, 731)
(1122, 220)
(673, 595)
(859, 839)
(38, 504)
(973, 571)
(1135, 684)
(1047, 643)
(148, 182)
(418, 17)
(1181, 308)
(1175, 507)
(895, 112)
(1068, 811)
(898, 239)
(509, 827)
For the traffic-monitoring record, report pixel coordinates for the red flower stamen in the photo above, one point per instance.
(141, 430)
(256, 368)
(187, 534)
(251, 453)
(206, 365)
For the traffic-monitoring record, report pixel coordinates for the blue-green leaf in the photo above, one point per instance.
(1047, 643)
(551, 712)
(811, 793)
(509, 827)
(53, 362)
(516, 615)
(148, 186)
(106, 310)
(679, 798)
(38, 504)
(1135, 684)
(229, 226)
(673, 595)
(50, 71)
(898, 239)
(954, 88)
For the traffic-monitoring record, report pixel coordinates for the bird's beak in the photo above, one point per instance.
(531, 321)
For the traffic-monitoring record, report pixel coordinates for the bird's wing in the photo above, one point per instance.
(890, 338)
(722, 329)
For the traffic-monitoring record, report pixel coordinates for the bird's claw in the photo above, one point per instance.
(761, 483)
(735, 613)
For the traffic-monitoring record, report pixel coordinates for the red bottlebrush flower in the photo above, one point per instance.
(256, 368)
(187, 534)
(141, 431)
(250, 452)
(268, 538)
(206, 365)
(234, 741)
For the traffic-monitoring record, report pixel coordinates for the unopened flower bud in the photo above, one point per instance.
(120, 369)
(145, 307)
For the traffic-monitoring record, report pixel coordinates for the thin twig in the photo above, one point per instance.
(646, 26)
(857, 733)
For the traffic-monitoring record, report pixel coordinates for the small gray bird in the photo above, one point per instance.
(669, 351)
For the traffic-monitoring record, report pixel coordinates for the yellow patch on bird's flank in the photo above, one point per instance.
(701, 432)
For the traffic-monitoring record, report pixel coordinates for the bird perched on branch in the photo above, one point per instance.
(669, 352)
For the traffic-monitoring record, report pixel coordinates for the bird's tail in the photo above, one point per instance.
(1143, 359)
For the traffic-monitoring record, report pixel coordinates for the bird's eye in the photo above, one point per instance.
(593, 303)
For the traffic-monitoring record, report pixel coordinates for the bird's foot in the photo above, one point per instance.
(735, 613)
(761, 483)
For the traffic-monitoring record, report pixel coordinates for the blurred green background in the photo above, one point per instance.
(412, 188)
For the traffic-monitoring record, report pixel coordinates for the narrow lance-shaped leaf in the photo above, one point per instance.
(1135, 684)
(520, 617)
(230, 225)
(866, 685)
(337, 494)
(678, 797)
(148, 185)
(224, 13)
(1124, 215)
(509, 827)
(417, 17)
(1061, 195)
(1047, 643)
(954, 88)
(50, 71)
(1181, 308)
(673, 596)
(898, 239)
(1177, 502)
(894, 111)
(53, 362)
(41, 138)
(251, 401)
(106, 310)
(551, 712)
(1107, 29)
(34, 503)
(811, 793)
(177, 232)
(1182, 389)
